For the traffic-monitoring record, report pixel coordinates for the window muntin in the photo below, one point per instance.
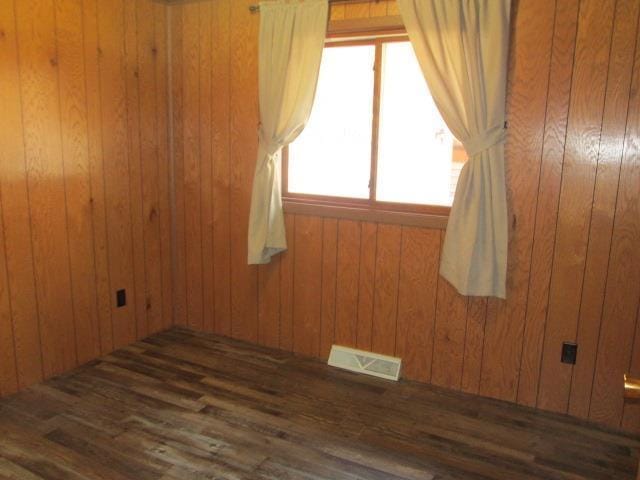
(405, 159)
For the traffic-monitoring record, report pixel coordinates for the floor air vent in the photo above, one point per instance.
(365, 362)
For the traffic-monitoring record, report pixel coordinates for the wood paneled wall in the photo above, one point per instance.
(574, 194)
(85, 204)
(84, 181)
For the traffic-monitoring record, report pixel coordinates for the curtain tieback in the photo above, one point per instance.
(485, 140)
(269, 147)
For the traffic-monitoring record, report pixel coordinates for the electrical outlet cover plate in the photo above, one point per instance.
(121, 298)
(369, 363)
(569, 353)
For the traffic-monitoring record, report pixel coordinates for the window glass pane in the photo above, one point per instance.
(419, 160)
(332, 156)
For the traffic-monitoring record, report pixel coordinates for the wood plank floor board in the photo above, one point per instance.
(188, 405)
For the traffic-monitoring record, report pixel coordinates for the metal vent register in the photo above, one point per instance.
(368, 363)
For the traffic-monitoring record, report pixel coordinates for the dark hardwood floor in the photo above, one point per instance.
(185, 405)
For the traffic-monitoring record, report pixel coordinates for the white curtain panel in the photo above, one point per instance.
(462, 47)
(292, 35)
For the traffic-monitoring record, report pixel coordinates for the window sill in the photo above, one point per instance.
(366, 214)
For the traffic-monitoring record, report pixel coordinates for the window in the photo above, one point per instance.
(375, 138)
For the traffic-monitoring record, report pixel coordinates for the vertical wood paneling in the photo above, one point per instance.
(329, 281)
(623, 280)
(392, 8)
(387, 272)
(39, 81)
(206, 163)
(165, 177)
(77, 181)
(560, 74)
(8, 371)
(96, 172)
(449, 334)
(16, 227)
(526, 101)
(287, 263)
(474, 344)
(565, 105)
(307, 297)
(336, 12)
(132, 75)
(417, 293)
(192, 63)
(366, 284)
(243, 150)
(220, 138)
(580, 160)
(73, 118)
(149, 158)
(177, 135)
(356, 10)
(604, 201)
(348, 266)
(378, 8)
(269, 304)
(116, 165)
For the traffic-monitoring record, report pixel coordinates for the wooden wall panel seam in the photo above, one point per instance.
(548, 197)
(604, 151)
(229, 144)
(207, 179)
(200, 47)
(526, 109)
(464, 343)
(535, 215)
(64, 186)
(165, 173)
(602, 117)
(91, 186)
(433, 331)
(28, 195)
(132, 95)
(141, 297)
(293, 284)
(4, 272)
(569, 263)
(612, 306)
(104, 181)
(159, 158)
(172, 165)
(626, 125)
(357, 305)
(177, 132)
(366, 298)
(397, 293)
(335, 302)
(562, 172)
(319, 347)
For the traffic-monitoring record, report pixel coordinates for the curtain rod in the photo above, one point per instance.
(256, 8)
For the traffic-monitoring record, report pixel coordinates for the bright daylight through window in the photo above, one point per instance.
(375, 135)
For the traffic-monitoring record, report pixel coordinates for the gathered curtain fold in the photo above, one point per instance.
(462, 47)
(292, 35)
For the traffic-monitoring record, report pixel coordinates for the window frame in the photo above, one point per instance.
(369, 209)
